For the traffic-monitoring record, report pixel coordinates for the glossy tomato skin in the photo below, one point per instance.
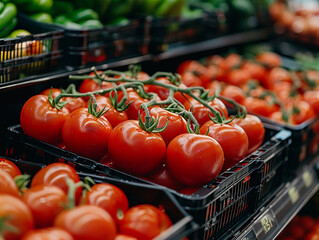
(85, 134)
(254, 129)
(45, 203)
(56, 174)
(124, 237)
(87, 223)
(40, 120)
(259, 106)
(137, 101)
(9, 167)
(144, 222)
(277, 75)
(256, 71)
(51, 233)
(232, 139)
(194, 160)
(190, 79)
(55, 92)
(201, 112)
(312, 97)
(238, 77)
(108, 197)
(233, 92)
(19, 214)
(176, 124)
(74, 103)
(112, 115)
(7, 184)
(135, 150)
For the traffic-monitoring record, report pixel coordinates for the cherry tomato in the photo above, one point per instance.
(277, 75)
(135, 107)
(18, 216)
(87, 223)
(51, 233)
(270, 59)
(190, 79)
(9, 167)
(200, 112)
(231, 61)
(233, 92)
(7, 184)
(312, 97)
(194, 160)
(56, 174)
(86, 134)
(256, 71)
(226, 135)
(259, 106)
(191, 66)
(135, 150)
(176, 124)
(40, 120)
(124, 237)
(110, 198)
(144, 222)
(254, 129)
(45, 203)
(238, 77)
(55, 92)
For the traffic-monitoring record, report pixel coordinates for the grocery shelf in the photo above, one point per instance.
(218, 42)
(271, 219)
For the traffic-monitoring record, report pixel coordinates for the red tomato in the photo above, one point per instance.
(124, 237)
(191, 66)
(190, 79)
(55, 92)
(231, 61)
(312, 97)
(233, 92)
(312, 236)
(232, 139)
(277, 75)
(110, 198)
(238, 77)
(51, 233)
(9, 167)
(135, 107)
(254, 129)
(56, 174)
(18, 216)
(45, 203)
(194, 160)
(270, 59)
(89, 85)
(86, 134)
(144, 222)
(87, 223)
(301, 111)
(307, 222)
(201, 112)
(40, 120)
(278, 116)
(135, 150)
(283, 90)
(259, 106)
(176, 124)
(112, 115)
(256, 71)
(7, 184)
(162, 177)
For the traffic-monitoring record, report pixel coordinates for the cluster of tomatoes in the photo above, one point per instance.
(301, 228)
(300, 22)
(261, 85)
(174, 157)
(53, 208)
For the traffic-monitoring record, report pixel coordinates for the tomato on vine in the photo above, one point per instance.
(9, 167)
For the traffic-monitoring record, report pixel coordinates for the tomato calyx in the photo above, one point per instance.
(119, 106)
(6, 227)
(92, 108)
(22, 182)
(55, 102)
(71, 192)
(150, 124)
(310, 82)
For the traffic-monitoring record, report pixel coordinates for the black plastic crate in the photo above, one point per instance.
(136, 194)
(216, 207)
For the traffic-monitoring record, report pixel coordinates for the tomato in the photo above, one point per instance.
(135, 107)
(270, 59)
(190, 79)
(259, 106)
(191, 66)
(108, 197)
(86, 134)
(144, 222)
(312, 236)
(7, 184)
(301, 111)
(231, 61)
(87, 223)
(112, 115)
(40, 120)
(254, 129)
(283, 91)
(256, 71)
(51, 233)
(232, 139)
(56, 174)
(45, 203)
(312, 97)
(18, 216)
(214, 60)
(135, 150)
(297, 232)
(233, 92)
(176, 124)
(124, 237)
(238, 77)
(278, 116)
(214, 86)
(307, 222)
(9, 167)
(90, 85)
(194, 160)
(277, 75)
(55, 92)
(200, 112)
(162, 177)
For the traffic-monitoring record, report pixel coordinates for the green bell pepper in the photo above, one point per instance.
(8, 19)
(34, 6)
(18, 33)
(84, 14)
(42, 17)
(100, 6)
(9, 27)
(91, 23)
(119, 21)
(60, 7)
(119, 8)
(63, 20)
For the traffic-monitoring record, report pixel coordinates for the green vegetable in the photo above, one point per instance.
(91, 23)
(119, 21)
(83, 14)
(190, 13)
(8, 19)
(34, 6)
(100, 6)
(119, 8)
(60, 7)
(42, 17)
(243, 7)
(8, 28)
(63, 20)
(170, 8)
(149, 6)
(18, 33)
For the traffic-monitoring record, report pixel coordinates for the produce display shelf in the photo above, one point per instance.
(273, 218)
(218, 42)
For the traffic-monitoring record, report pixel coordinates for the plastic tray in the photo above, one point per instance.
(136, 194)
(216, 207)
